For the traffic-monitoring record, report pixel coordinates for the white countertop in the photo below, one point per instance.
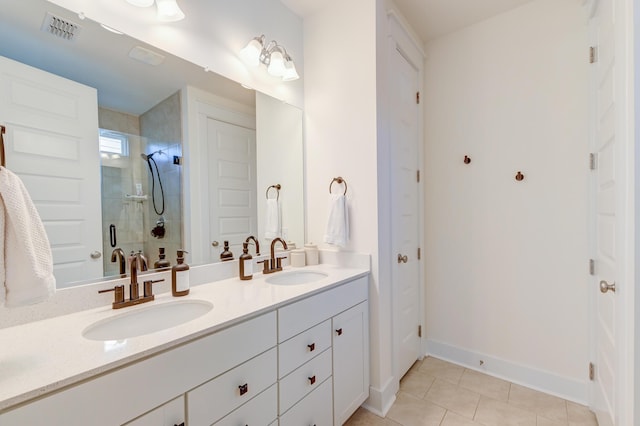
(43, 356)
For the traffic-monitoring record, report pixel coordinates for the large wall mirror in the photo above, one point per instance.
(172, 156)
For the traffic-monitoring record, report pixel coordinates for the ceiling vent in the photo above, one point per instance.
(147, 56)
(60, 28)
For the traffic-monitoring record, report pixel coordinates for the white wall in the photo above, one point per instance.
(211, 35)
(506, 267)
(341, 140)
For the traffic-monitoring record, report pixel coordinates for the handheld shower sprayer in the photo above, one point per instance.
(149, 159)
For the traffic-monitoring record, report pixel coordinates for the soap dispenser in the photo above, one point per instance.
(226, 253)
(162, 263)
(246, 265)
(180, 276)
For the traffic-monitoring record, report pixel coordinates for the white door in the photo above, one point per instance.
(405, 212)
(608, 224)
(52, 144)
(232, 185)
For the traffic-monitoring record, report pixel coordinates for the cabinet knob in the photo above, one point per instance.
(312, 380)
(339, 332)
(243, 389)
(312, 347)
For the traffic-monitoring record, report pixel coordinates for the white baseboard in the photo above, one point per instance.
(381, 400)
(544, 381)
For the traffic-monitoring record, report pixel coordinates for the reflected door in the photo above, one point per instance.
(52, 144)
(232, 185)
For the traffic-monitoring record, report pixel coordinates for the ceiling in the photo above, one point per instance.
(430, 18)
(100, 59)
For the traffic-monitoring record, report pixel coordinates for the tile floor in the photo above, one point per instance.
(438, 393)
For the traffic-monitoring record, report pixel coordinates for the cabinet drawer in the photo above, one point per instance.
(303, 347)
(259, 411)
(169, 414)
(214, 399)
(315, 409)
(303, 380)
(304, 314)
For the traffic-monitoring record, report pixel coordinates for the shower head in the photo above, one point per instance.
(147, 157)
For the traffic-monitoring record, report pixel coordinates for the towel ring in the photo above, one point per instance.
(277, 188)
(339, 180)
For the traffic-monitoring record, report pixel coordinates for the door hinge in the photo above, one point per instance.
(592, 267)
(419, 253)
(593, 161)
(418, 97)
(592, 371)
(593, 54)
(418, 175)
(419, 331)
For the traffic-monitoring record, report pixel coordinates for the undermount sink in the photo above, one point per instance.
(147, 320)
(296, 277)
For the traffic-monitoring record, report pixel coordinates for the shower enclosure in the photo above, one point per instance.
(141, 197)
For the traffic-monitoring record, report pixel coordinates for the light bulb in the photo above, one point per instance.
(276, 66)
(251, 52)
(290, 72)
(169, 11)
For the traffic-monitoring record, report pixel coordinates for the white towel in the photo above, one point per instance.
(272, 225)
(26, 264)
(337, 232)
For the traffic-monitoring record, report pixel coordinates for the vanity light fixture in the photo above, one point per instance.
(272, 55)
(168, 10)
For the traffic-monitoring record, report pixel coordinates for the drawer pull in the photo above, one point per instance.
(243, 389)
(312, 380)
(339, 332)
(181, 424)
(312, 347)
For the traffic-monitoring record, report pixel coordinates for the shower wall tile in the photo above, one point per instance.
(118, 121)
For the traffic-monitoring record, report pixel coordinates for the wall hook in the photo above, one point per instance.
(467, 160)
(519, 176)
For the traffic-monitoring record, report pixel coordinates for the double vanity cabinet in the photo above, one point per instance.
(301, 362)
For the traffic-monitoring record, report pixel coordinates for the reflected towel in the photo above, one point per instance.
(136, 223)
(337, 232)
(26, 263)
(272, 225)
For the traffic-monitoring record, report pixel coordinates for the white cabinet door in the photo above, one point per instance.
(169, 414)
(350, 361)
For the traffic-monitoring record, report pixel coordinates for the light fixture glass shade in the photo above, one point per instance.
(251, 53)
(290, 72)
(169, 11)
(141, 3)
(276, 66)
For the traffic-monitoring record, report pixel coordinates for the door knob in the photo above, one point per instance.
(605, 287)
(95, 255)
(402, 259)
(215, 244)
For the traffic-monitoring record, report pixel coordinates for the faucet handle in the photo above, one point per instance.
(279, 262)
(148, 290)
(118, 293)
(265, 265)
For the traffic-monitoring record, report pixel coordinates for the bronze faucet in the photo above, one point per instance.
(136, 261)
(118, 255)
(143, 262)
(275, 263)
(255, 241)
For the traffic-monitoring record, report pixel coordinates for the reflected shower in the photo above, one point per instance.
(149, 159)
